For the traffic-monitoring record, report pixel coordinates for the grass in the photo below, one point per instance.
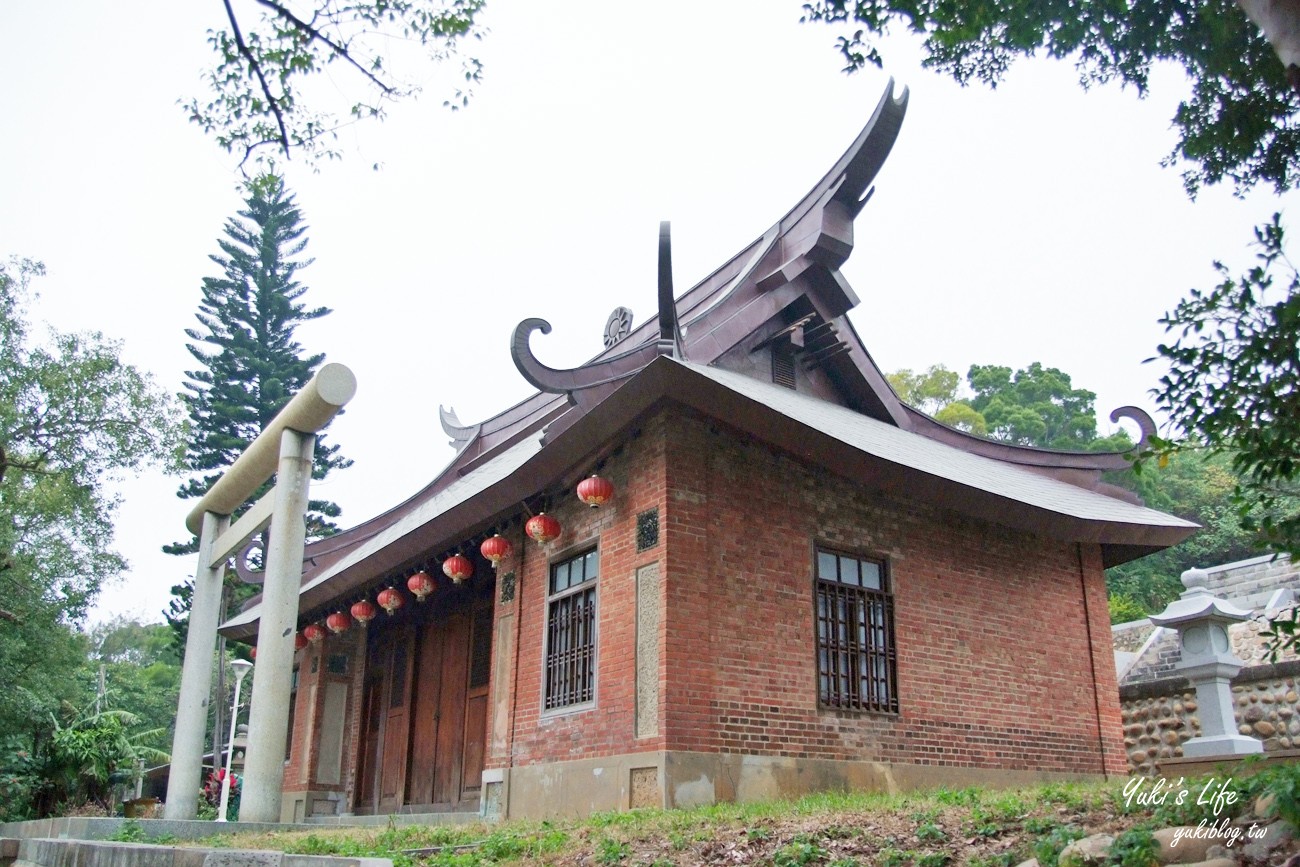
(983, 828)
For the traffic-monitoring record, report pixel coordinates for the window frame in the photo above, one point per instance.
(890, 650)
(592, 585)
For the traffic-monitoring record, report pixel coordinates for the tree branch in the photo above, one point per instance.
(339, 50)
(256, 66)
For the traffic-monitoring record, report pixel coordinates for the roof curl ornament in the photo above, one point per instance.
(610, 368)
(1144, 422)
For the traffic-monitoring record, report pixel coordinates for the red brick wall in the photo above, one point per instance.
(996, 655)
(351, 644)
(636, 470)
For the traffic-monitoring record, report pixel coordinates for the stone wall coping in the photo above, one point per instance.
(102, 828)
(39, 852)
(1172, 685)
(1249, 561)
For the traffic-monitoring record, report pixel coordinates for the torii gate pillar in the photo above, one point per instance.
(286, 448)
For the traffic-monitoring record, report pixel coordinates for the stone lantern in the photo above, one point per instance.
(1202, 620)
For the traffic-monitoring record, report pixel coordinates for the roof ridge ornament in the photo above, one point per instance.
(461, 434)
(617, 326)
(670, 330)
(609, 368)
(1144, 422)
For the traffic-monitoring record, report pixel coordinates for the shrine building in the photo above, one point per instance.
(720, 561)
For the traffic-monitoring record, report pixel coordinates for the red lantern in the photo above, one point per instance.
(495, 549)
(543, 528)
(364, 611)
(390, 599)
(457, 567)
(338, 622)
(595, 491)
(299, 641)
(420, 584)
(314, 633)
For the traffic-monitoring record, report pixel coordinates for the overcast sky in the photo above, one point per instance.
(1030, 223)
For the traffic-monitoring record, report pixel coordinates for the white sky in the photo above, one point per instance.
(1030, 223)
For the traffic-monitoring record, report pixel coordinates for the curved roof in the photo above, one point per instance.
(784, 284)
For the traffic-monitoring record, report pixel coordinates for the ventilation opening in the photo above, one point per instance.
(783, 363)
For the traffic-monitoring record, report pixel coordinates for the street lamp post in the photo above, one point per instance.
(241, 667)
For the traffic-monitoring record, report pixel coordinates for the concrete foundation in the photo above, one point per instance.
(673, 778)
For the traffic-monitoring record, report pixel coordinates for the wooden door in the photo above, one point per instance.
(428, 680)
(476, 701)
(396, 716)
(372, 705)
(450, 711)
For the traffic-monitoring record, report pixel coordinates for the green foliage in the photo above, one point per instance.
(1124, 608)
(257, 98)
(130, 831)
(1136, 847)
(73, 419)
(891, 857)
(933, 859)
(798, 853)
(1048, 849)
(142, 670)
(1236, 124)
(1005, 859)
(1199, 487)
(1234, 384)
(1038, 406)
(929, 391)
(250, 364)
(1281, 785)
(612, 851)
(931, 833)
(1040, 825)
(937, 391)
(86, 754)
(958, 797)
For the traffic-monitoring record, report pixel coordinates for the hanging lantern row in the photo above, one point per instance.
(595, 491)
(542, 528)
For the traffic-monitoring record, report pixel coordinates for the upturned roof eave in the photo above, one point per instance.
(666, 379)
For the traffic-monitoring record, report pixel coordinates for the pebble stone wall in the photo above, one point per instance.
(1160, 715)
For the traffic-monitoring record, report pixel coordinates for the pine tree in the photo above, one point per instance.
(250, 364)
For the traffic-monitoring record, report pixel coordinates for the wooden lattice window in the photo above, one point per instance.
(571, 631)
(856, 656)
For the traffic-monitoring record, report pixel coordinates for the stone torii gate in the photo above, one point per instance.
(285, 448)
